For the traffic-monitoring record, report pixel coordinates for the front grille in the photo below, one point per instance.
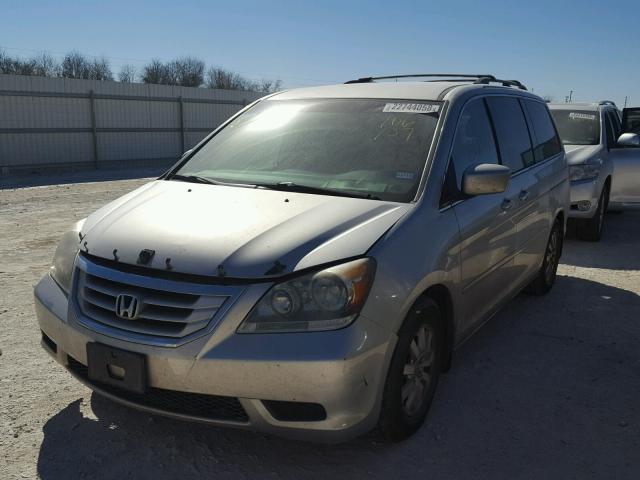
(210, 407)
(167, 309)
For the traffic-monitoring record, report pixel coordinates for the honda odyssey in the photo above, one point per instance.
(309, 267)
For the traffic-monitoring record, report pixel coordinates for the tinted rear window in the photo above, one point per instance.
(631, 121)
(512, 132)
(577, 127)
(547, 144)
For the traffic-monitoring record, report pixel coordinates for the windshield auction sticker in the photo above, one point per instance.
(411, 108)
(578, 116)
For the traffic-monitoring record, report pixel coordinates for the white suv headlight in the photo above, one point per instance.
(588, 171)
(63, 259)
(328, 299)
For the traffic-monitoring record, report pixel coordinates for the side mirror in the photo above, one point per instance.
(485, 178)
(629, 140)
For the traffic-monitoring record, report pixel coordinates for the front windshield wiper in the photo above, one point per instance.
(295, 187)
(210, 181)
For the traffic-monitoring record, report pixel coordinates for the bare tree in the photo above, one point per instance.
(153, 71)
(5, 62)
(127, 74)
(14, 66)
(24, 67)
(159, 73)
(220, 78)
(46, 65)
(75, 65)
(169, 74)
(100, 69)
(189, 71)
(185, 71)
(268, 86)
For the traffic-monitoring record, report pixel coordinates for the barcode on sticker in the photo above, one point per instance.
(405, 175)
(581, 116)
(411, 108)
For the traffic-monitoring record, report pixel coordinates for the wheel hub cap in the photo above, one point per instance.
(417, 371)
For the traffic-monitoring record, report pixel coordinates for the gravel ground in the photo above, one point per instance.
(549, 388)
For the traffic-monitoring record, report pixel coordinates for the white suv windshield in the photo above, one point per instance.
(577, 127)
(360, 147)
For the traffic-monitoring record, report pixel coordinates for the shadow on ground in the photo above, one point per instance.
(549, 388)
(619, 248)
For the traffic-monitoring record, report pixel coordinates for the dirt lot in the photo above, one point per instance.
(550, 388)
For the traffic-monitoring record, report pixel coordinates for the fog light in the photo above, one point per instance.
(584, 205)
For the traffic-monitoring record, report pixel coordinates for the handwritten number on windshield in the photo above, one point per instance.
(395, 126)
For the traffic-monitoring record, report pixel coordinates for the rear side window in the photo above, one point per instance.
(631, 120)
(512, 132)
(473, 144)
(547, 143)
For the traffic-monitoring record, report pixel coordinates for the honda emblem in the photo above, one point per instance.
(127, 306)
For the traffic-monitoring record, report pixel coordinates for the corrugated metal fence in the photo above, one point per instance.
(59, 122)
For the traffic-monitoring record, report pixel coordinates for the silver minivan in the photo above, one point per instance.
(309, 268)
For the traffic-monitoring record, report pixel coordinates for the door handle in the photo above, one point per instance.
(506, 204)
(524, 194)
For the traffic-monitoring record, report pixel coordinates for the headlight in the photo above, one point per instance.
(65, 255)
(587, 171)
(325, 300)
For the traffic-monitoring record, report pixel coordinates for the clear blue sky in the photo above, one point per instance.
(590, 47)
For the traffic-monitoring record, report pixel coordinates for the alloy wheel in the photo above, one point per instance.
(552, 255)
(418, 370)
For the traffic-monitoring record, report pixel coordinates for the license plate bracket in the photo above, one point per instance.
(116, 367)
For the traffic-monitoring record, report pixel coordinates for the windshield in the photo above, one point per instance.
(370, 148)
(580, 127)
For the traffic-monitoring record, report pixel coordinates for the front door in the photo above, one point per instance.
(625, 184)
(487, 229)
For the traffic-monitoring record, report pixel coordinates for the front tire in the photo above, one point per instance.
(413, 374)
(547, 274)
(591, 229)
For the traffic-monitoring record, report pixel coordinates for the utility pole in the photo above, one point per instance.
(570, 95)
(625, 101)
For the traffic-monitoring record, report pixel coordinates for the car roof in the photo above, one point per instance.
(397, 90)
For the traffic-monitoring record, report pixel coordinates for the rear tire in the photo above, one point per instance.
(591, 229)
(547, 274)
(413, 374)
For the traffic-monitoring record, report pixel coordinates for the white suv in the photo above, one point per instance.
(604, 162)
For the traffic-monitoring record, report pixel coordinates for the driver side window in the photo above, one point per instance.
(474, 143)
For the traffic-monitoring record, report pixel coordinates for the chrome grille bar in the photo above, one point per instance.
(170, 312)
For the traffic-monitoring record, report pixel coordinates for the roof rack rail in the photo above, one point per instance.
(607, 102)
(479, 78)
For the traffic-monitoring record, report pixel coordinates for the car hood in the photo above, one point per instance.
(233, 231)
(578, 154)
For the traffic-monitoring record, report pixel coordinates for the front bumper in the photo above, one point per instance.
(584, 191)
(342, 370)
